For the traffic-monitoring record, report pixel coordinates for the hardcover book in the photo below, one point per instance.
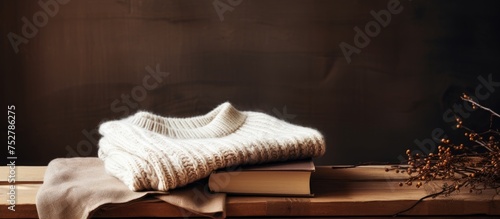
(291, 178)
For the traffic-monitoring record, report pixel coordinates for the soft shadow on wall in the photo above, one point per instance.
(372, 92)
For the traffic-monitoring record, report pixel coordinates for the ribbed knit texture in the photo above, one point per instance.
(150, 152)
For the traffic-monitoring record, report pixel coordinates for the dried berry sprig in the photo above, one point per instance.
(474, 167)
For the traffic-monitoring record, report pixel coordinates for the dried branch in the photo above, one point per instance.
(474, 166)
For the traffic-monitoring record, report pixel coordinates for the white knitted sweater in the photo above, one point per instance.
(150, 152)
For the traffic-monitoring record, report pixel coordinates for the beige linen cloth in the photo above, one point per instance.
(77, 187)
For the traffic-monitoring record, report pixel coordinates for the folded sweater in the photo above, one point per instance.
(150, 152)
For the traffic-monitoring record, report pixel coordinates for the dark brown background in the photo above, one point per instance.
(265, 56)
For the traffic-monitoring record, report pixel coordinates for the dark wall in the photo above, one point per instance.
(283, 57)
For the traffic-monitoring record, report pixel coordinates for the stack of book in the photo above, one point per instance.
(290, 178)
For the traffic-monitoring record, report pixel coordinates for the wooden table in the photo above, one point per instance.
(339, 191)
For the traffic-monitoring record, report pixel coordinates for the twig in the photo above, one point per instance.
(481, 106)
(433, 195)
(484, 145)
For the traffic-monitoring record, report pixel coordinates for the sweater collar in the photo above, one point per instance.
(221, 121)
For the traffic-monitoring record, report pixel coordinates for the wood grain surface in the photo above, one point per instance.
(360, 191)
